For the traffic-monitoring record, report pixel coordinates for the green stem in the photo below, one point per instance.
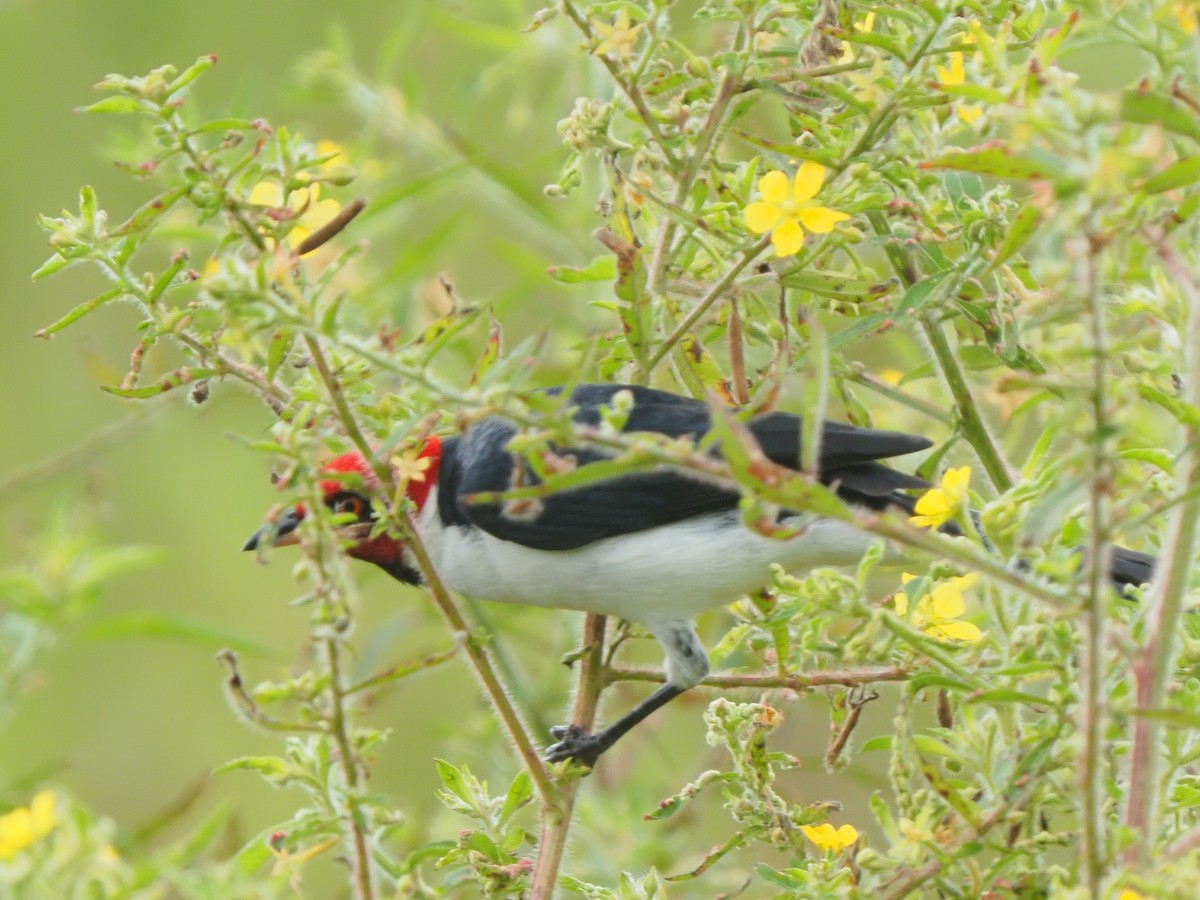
(973, 426)
(1095, 619)
(1154, 662)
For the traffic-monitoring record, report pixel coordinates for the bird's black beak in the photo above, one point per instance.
(279, 533)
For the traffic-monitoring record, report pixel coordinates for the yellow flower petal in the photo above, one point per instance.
(956, 73)
(933, 502)
(901, 601)
(808, 180)
(826, 837)
(867, 24)
(266, 193)
(820, 220)
(947, 601)
(762, 217)
(955, 483)
(774, 187)
(969, 114)
(956, 631)
(788, 237)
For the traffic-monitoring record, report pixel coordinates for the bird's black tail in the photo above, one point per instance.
(1127, 568)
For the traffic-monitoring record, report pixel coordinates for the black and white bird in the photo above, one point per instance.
(656, 547)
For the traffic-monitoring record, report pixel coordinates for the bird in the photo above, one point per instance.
(655, 548)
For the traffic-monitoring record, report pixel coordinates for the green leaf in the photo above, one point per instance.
(192, 72)
(268, 766)
(1156, 456)
(867, 325)
(1145, 107)
(175, 379)
(54, 264)
(146, 214)
(882, 742)
(837, 287)
(455, 781)
(79, 312)
(120, 103)
(1179, 173)
(1001, 162)
(602, 268)
(766, 873)
(1023, 225)
(519, 793)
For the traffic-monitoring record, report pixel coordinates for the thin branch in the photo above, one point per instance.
(437, 590)
(845, 678)
(1155, 660)
(556, 817)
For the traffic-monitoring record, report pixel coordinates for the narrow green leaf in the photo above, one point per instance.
(1001, 162)
(1145, 107)
(1179, 173)
(146, 214)
(54, 264)
(838, 287)
(192, 72)
(602, 268)
(79, 312)
(1023, 225)
(120, 103)
(519, 793)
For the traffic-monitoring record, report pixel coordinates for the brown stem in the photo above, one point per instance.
(556, 816)
(845, 677)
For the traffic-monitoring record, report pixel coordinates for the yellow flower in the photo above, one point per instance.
(969, 113)
(943, 502)
(1189, 19)
(303, 206)
(826, 837)
(782, 211)
(956, 74)
(937, 612)
(1130, 894)
(23, 826)
(410, 466)
(865, 26)
(619, 37)
(891, 376)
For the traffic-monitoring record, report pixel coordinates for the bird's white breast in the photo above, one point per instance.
(670, 572)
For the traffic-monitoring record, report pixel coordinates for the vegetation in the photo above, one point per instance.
(914, 215)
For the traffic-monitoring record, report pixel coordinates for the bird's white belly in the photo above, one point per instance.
(670, 572)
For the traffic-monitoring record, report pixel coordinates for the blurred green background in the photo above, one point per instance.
(458, 138)
(466, 139)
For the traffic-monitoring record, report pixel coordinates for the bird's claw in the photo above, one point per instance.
(575, 743)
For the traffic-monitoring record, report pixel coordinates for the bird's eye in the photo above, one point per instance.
(349, 504)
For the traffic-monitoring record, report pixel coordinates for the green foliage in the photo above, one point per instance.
(1023, 245)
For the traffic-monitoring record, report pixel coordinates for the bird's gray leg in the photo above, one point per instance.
(686, 666)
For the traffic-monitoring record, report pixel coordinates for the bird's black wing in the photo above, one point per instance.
(478, 462)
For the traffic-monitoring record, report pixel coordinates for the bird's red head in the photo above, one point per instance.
(350, 496)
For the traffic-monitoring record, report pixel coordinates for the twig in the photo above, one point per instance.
(1092, 841)
(330, 229)
(846, 678)
(973, 425)
(715, 293)
(437, 589)
(556, 816)
(1154, 661)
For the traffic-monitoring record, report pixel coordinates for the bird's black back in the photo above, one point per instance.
(478, 462)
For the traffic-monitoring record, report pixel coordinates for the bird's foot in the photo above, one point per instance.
(577, 744)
